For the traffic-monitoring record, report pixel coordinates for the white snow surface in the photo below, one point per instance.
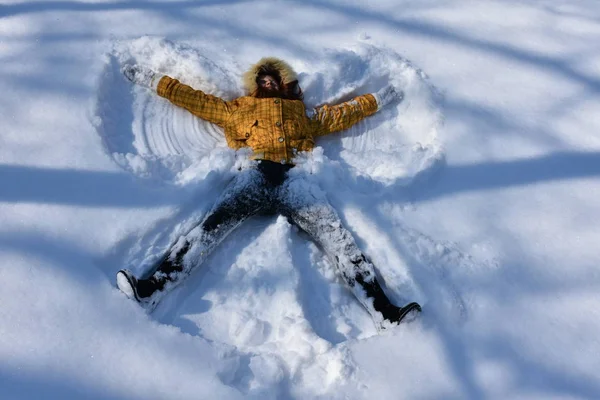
(476, 196)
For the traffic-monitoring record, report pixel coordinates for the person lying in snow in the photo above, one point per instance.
(273, 122)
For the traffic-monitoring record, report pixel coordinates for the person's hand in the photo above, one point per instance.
(141, 75)
(388, 95)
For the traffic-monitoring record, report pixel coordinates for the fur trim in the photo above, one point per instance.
(284, 69)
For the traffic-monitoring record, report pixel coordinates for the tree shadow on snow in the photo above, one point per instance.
(25, 184)
(53, 6)
(539, 376)
(429, 30)
(102, 189)
(59, 253)
(455, 179)
(25, 383)
(181, 12)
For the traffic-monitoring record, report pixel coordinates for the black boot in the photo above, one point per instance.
(167, 271)
(148, 292)
(141, 290)
(396, 314)
(382, 304)
(127, 283)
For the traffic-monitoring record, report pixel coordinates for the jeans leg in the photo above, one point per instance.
(245, 196)
(306, 205)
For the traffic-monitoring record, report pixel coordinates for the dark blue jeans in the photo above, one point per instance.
(268, 189)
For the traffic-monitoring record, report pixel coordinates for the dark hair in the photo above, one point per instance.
(293, 90)
(268, 70)
(290, 90)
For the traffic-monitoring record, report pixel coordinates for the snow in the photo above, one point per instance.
(476, 196)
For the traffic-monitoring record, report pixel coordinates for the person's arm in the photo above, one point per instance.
(210, 108)
(329, 119)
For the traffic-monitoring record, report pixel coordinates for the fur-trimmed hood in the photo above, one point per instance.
(264, 65)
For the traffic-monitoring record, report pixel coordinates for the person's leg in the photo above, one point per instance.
(307, 207)
(245, 196)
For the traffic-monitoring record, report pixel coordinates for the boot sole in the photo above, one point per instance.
(126, 284)
(408, 309)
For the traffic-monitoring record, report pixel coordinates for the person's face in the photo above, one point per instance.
(268, 82)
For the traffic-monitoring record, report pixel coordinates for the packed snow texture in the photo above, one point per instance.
(476, 196)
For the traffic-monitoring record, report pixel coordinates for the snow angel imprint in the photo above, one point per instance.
(272, 121)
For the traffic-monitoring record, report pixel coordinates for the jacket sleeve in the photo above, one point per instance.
(210, 108)
(328, 119)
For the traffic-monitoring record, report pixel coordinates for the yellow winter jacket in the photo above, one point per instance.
(276, 129)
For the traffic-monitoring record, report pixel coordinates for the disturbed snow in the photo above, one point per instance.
(268, 295)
